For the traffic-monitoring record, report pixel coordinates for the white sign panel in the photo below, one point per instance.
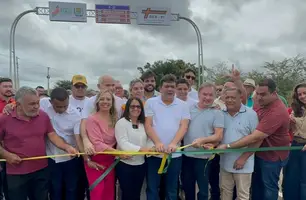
(67, 12)
(154, 16)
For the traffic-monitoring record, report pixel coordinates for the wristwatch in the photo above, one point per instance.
(228, 146)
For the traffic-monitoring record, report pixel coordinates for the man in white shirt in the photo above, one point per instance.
(182, 88)
(105, 82)
(167, 119)
(78, 97)
(190, 76)
(66, 122)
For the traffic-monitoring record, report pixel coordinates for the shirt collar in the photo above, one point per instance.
(241, 110)
(175, 101)
(14, 115)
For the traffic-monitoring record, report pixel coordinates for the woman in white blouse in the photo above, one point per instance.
(131, 136)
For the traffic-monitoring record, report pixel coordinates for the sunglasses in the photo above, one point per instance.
(190, 77)
(80, 86)
(219, 90)
(135, 107)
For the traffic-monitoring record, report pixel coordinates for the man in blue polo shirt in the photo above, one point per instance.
(236, 170)
(167, 119)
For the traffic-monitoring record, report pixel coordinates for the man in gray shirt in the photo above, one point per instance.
(205, 128)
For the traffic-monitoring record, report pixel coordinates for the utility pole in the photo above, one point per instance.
(17, 66)
(48, 77)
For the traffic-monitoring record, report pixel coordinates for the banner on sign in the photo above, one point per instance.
(67, 12)
(153, 16)
(113, 14)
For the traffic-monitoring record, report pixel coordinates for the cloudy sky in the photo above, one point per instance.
(245, 32)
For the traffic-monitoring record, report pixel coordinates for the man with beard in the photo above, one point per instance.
(149, 80)
(6, 97)
(6, 92)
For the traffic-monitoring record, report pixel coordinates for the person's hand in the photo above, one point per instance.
(304, 148)
(8, 109)
(95, 165)
(208, 146)
(124, 157)
(197, 143)
(239, 163)
(222, 146)
(234, 75)
(171, 148)
(160, 147)
(88, 147)
(12, 159)
(292, 119)
(71, 150)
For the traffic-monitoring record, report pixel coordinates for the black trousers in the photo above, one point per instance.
(3, 183)
(131, 179)
(33, 186)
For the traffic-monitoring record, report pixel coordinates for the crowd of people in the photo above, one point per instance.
(232, 115)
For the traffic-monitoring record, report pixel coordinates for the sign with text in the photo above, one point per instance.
(154, 16)
(67, 12)
(113, 14)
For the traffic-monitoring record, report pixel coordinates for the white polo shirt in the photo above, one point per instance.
(89, 106)
(166, 118)
(66, 125)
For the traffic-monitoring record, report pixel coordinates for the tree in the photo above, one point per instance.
(64, 84)
(161, 68)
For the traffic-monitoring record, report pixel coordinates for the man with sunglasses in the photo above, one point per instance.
(190, 76)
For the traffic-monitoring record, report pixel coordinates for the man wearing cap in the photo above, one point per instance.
(78, 97)
(249, 85)
(77, 100)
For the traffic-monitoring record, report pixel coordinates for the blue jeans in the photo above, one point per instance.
(171, 178)
(193, 171)
(294, 182)
(63, 175)
(265, 179)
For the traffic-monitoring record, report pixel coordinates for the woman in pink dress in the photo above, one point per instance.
(100, 128)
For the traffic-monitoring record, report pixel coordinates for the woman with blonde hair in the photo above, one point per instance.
(100, 127)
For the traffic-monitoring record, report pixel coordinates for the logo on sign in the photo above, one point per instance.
(78, 12)
(148, 12)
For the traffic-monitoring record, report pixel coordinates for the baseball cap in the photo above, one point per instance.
(79, 79)
(249, 82)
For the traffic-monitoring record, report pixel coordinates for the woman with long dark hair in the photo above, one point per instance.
(294, 183)
(131, 136)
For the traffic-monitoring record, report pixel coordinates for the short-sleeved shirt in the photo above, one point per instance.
(274, 121)
(66, 125)
(76, 103)
(236, 127)
(202, 124)
(193, 94)
(89, 106)
(166, 118)
(25, 139)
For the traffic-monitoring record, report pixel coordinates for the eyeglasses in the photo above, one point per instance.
(135, 107)
(190, 77)
(219, 90)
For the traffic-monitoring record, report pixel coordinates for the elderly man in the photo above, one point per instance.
(28, 125)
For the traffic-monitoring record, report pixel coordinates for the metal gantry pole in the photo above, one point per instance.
(200, 48)
(12, 45)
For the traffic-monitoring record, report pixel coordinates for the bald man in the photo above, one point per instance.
(104, 83)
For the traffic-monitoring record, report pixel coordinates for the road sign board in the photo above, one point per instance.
(67, 12)
(113, 14)
(153, 16)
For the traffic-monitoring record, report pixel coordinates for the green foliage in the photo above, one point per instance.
(64, 84)
(161, 68)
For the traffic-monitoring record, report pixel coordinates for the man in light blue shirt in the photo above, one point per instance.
(235, 169)
(167, 119)
(205, 127)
